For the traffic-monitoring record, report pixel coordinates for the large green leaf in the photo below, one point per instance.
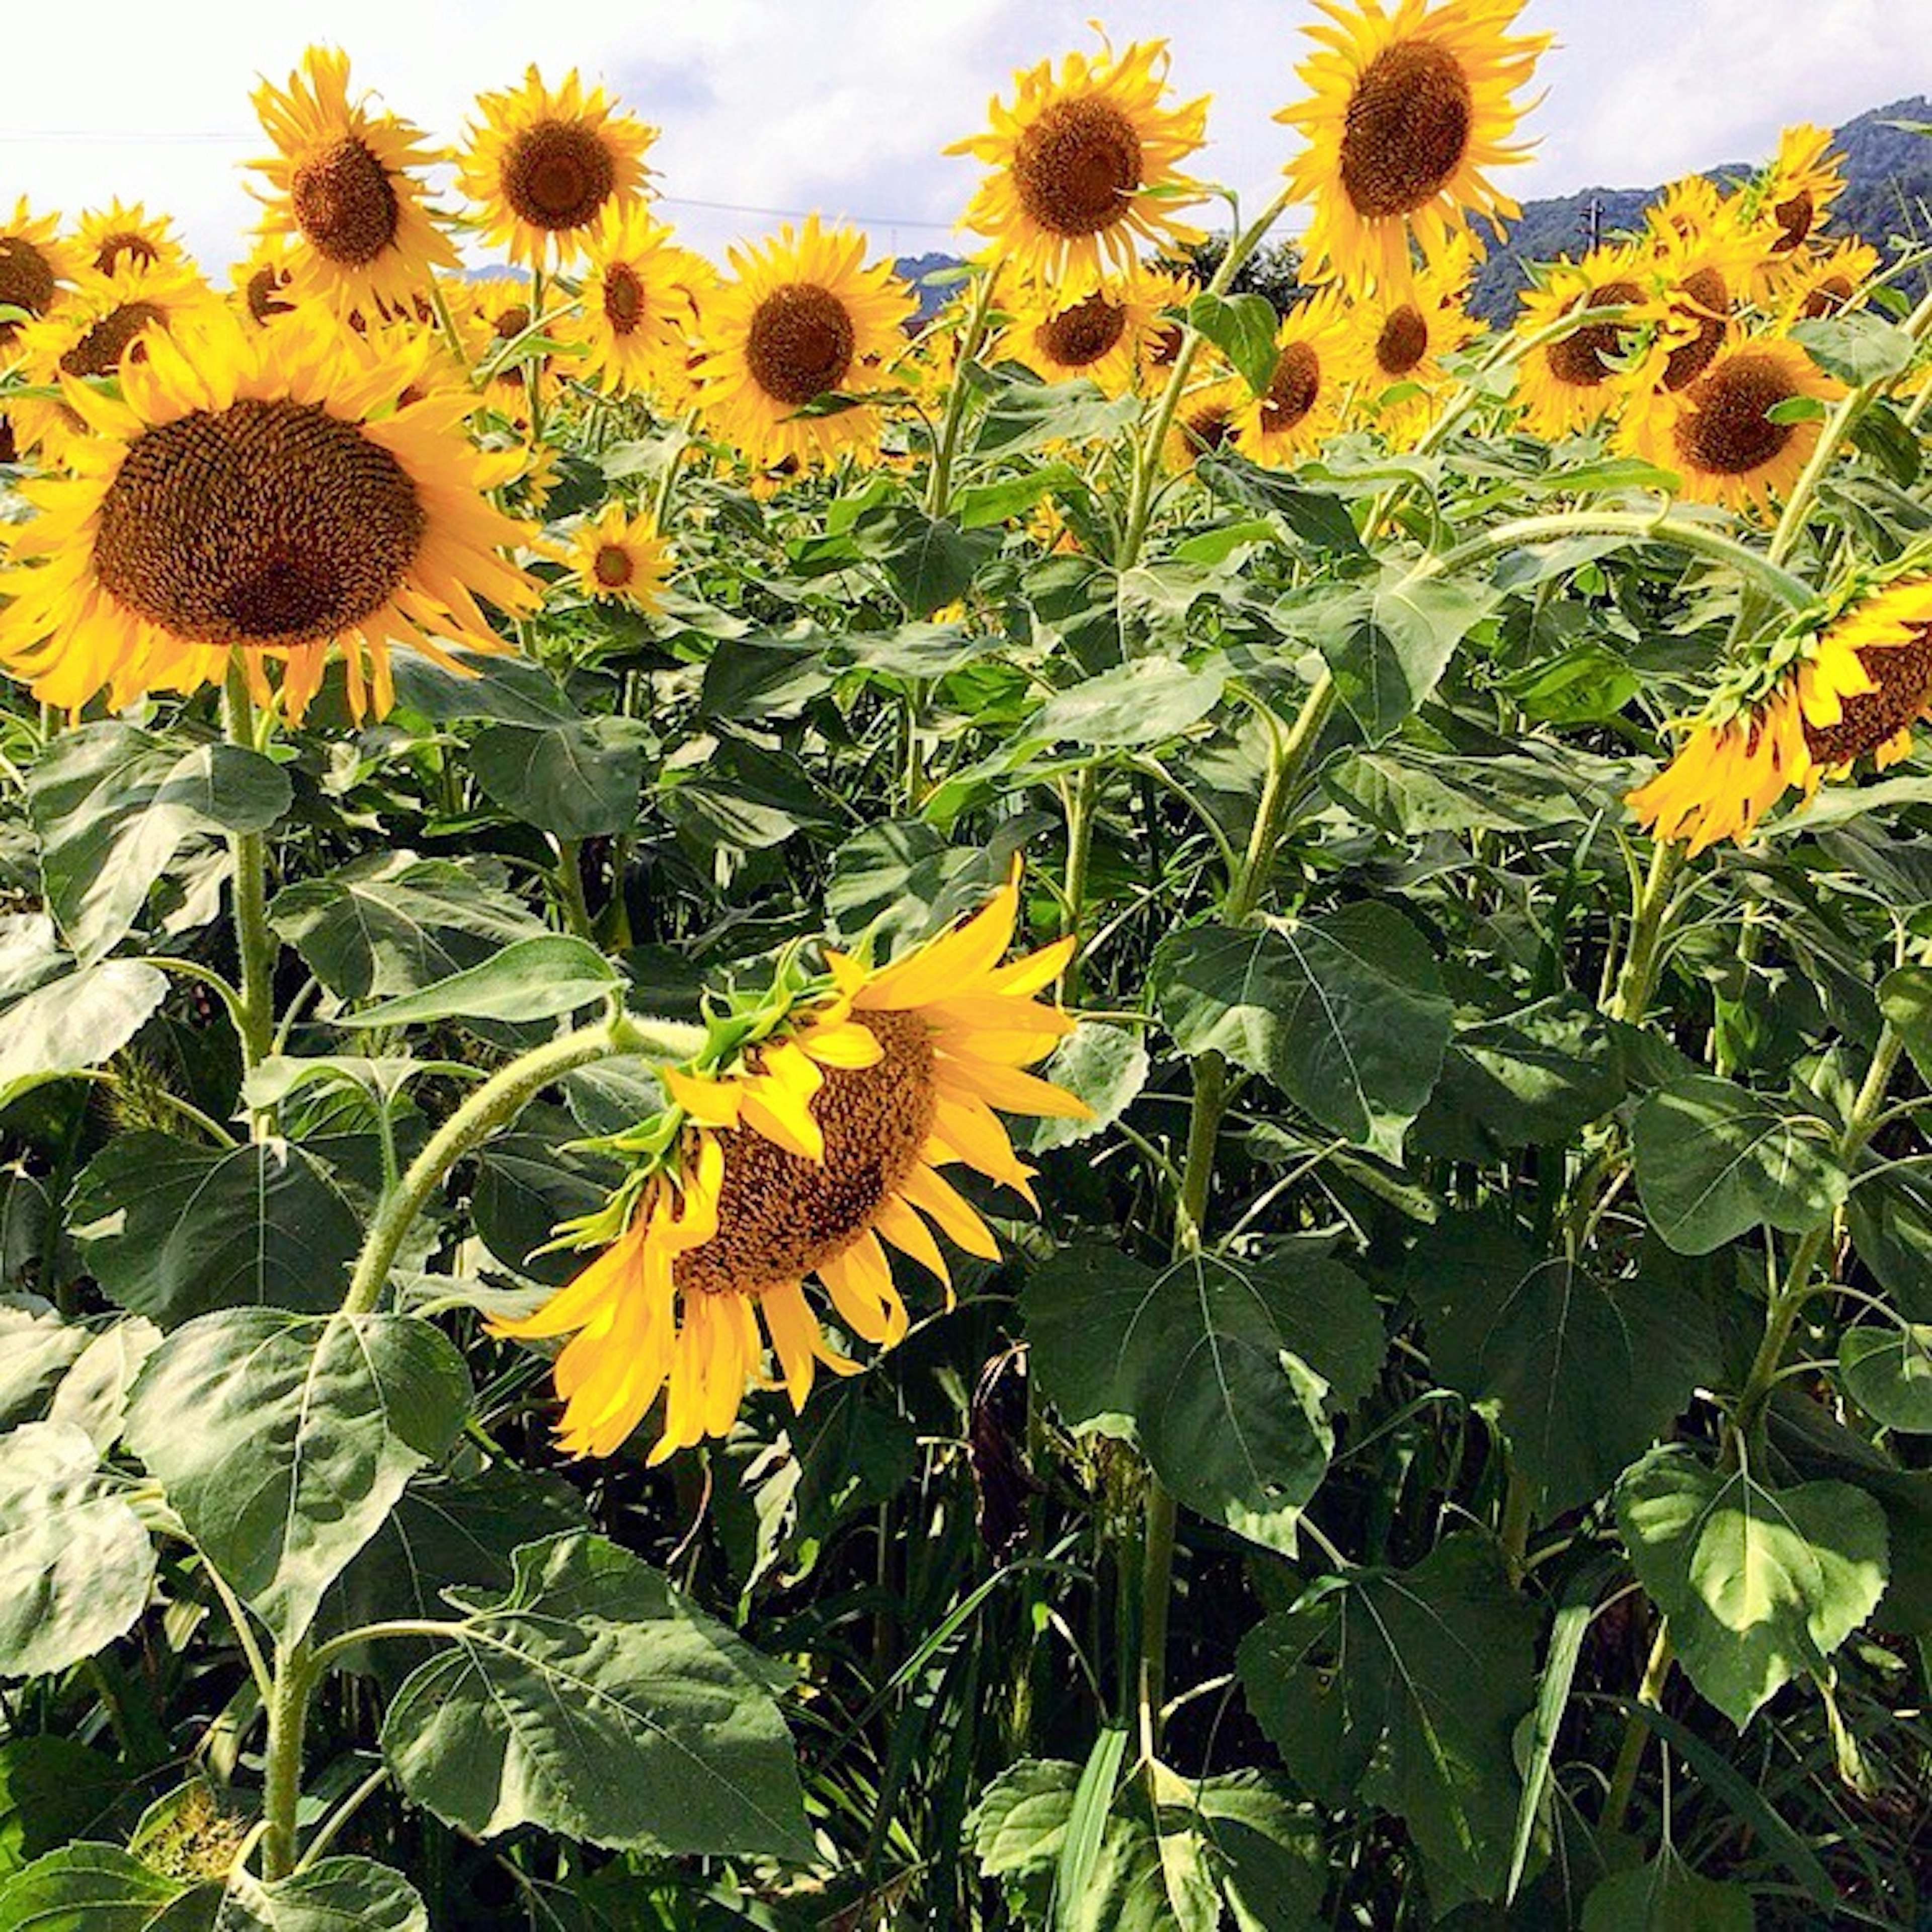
(592, 1699)
(53, 1790)
(1407, 1685)
(112, 806)
(1667, 1896)
(1220, 1370)
(283, 1442)
(1888, 1372)
(75, 1022)
(1024, 415)
(75, 1562)
(577, 780)
(930, 562)
(535, 979)
(174, 1228)
(1714, 1159)
(1535, 1078)
(1243, 328)
(1345, 1013)
(1138, 704)
(1759, 1584)
(1389, 644)
(1581, 1374)
(36, 1348)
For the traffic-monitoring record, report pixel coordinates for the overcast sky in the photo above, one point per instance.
(843, 105)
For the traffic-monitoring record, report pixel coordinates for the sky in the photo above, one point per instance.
(773, 108)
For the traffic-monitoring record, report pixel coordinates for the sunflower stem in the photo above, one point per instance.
(939, 479)
(254, 1009)
(281, 1789)
(1636, 1735)
(667, 483)
(1637, 979)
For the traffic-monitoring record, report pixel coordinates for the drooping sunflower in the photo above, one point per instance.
(340, 180)
(1824, 281)
(1720, 433)
(1791, 199)
(619, 558)
(1315, 365)
(1409, 110)
(1086, 168)
(1206, 422)
(1577, 377)
(116, 238)
(638, 309)
(263, 492)
(796, 1154)
(1819, 704)
(33, 263)
(799, 321)
(1102, 335)
(542, 168)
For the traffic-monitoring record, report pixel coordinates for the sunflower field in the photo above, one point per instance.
(1043, 1103)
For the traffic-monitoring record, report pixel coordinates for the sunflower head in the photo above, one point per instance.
(1207, 421)
(118, 237)
(1085, 168)
(258, 492)
(543, 167)
(638, 312)
(33, 265)
(1791, 199)
(1103, 335)
(1409, 110)
(1314, 362)
(264, 284)
(1826, 282)
(805, 1139)
(619, 558)
(1400, 340)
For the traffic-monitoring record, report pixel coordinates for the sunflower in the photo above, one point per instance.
(1820, 703)
(619, 558)
(1102, 335)
(1704, 262)
(639, 306)
(257, 490)
(1207, 420)
(1574, 380)
(116, 238)
(264, 284)
(1791, 199)
(796, 1157)
(799, 322)
(340, 181)
(1825, 281)
(1086, 167)
(543, 168)
(1720, 433)
(1314, 364)
(33, 263)
(1172, 292)
(1400, 340)
(1409, 110)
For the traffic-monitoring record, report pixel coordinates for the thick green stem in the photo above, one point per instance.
(1636, 1735)
(575, 907)
(494, 1104)
(281, 1792)
(939, 478)
(248, 853)
(1637, 980)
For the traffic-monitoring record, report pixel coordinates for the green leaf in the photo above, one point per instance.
(284, 1442)
(1535, 1078)
(1106, 1066)
(1203, 1366)
(90, 1888)
(1389, 645)
(75, 1563)
(537, 979)
(1714, 1159)
(592, 1699)
(526, 1184)
(579, 780)
(506, 690)
(1667, 1896)
(1760, 1584)
(74, 1023)
(1318, 518)
(1888, 1373)
(1344, 1012)
(1424, 1674)
(1905, 999)
(1139, 703)
(172, 1229)
(112, 806)
(1243, 328)
(36, 1348)
(1024, 414)
(393, 923)
(930, 562)
(1582, 1375)
(331, 1895)
(53, 1789)
(1856, 349)
(93, 1394)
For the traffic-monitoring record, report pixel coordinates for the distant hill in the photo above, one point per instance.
(913, 268)
(1888, 192)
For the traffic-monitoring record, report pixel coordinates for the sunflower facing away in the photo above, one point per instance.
(1086, 169)
(339, 179)
(1828, 280)
(797, 1157)
(116, 238)
(639, 306)
(542, 168)
(619, 558)
(1302, 404)
(1409, 110)
(1207, 420)
(1793, 198)
(264, 284)
(33, 263)
(802, 319)
(1821, 703)
(262, 491)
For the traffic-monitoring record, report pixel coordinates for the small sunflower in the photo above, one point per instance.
(264, 284)
(260, 491)
(544, 168)
(1315, 359)
(620, 559)
(340, 181)
(638, 309)
(1719, 433)
(1207, 421)
(1400, 341)
(799, 320)
(1703, 262)
(33, 263)
(1172, 292)
(1818, 704)
(1410, 110)
(1102, 335)
(1576, 379)
(116, 238)
(1828, 280)
(1791, 200)
(795, 1154)
(1086, 168)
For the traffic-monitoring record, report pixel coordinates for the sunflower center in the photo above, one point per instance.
(623, 298)
(1794, 218)
(612, 566)
(346, 204)
(1728, 431)
(1582, 360)
(1166, 344)
(1711, 302)
(780, 1216)
(26, 280)
(1828, 298)
(1209, 427)
(1403, 342)
(800, 343)
(268, 522)
(98, 353)
(9, 449)
(558, 175)
(264, 294)
(1406, 128)
(1903, 673)
(1074, 167)
(1293, 388)
(129, 242)
(511, 321)
(1083, 334)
